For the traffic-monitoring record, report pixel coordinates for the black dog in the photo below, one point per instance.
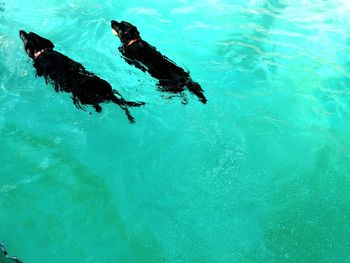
(69, 76)
(142, 55)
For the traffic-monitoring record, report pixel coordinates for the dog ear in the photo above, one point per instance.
(134, 31)
(43, 42)
(46, 43)
(131, 33)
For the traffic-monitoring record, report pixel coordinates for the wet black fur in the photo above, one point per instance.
(142, 55)
(69, 76)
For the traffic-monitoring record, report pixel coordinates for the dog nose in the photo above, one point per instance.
(22, 34)
(113, 22)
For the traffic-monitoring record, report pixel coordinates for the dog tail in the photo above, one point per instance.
(196, 89)
(123, 105)
(133, 104)
(128, 103)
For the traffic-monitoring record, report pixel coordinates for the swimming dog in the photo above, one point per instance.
(139, 53)
(70, 76)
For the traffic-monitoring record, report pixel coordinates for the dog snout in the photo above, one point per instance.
(22, 34)
(114, 23)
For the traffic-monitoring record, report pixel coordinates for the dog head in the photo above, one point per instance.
(34, 43)
(125, 31)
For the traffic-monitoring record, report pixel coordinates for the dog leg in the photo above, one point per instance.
(77, 103)
(184, 99)
(98, 108)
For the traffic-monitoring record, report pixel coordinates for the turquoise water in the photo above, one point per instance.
(259, 174)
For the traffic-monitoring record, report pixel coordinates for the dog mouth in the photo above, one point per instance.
(115, 27)
(115, 32)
